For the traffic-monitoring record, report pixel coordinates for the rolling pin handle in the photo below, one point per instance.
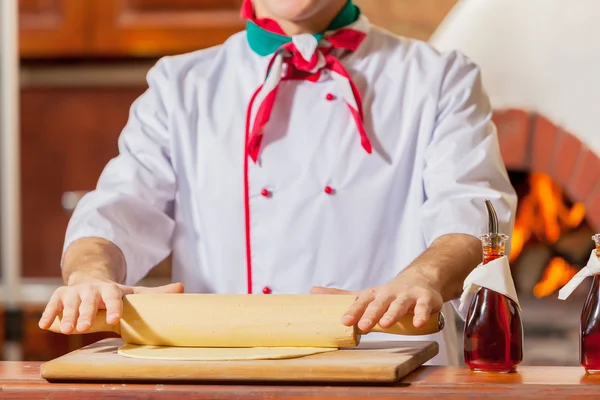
(405, 326)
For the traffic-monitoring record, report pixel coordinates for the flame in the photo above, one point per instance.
(543, 215)
(556, 275)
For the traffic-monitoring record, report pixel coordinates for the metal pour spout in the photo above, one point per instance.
(492, 218)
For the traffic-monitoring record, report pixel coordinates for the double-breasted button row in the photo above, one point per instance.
(326, 189)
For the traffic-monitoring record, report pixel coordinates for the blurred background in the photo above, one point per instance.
(72, 68)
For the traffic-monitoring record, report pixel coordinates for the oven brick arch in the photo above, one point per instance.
(532, 142)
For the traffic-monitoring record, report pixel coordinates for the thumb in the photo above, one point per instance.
(170, 288)
(324, 290)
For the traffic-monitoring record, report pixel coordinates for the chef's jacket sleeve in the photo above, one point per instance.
(131, 204)
(463, 161)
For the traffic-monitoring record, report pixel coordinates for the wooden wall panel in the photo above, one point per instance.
(2, 331)
(51, 28)
(67, 137)
(159, 27)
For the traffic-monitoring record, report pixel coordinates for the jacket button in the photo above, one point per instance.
(328, 189)
(267, 290)
(329, 97)
(265, 193)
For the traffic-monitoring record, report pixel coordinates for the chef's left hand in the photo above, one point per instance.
(410, 292)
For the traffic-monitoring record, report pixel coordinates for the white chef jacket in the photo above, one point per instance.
(178, 184)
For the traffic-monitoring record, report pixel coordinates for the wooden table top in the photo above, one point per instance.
(21, 380)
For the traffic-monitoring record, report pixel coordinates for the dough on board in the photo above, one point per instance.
(217, 353)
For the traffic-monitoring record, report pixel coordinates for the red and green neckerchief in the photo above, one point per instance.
(302, 57)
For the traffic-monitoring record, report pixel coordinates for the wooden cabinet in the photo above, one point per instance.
(117, 28)
(67, 137)
(153, 28)
(157, 27)
(52, 27)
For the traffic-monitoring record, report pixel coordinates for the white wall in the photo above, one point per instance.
(537, 55)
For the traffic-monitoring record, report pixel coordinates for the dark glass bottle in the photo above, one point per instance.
(493, 335)
(589, 331)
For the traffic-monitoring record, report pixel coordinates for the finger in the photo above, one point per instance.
(70, 301)
(397, 309)
(87, 308)
(324, 290)
(112, 297)
(375, 311)
(170, 288)
(53, 308)
(357, 309)
(422, 311)
(125, 290)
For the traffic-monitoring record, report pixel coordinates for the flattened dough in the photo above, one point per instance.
(217, 353)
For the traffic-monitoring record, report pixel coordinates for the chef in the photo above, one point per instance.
(311, 153)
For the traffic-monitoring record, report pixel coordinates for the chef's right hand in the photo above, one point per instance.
(80, 302)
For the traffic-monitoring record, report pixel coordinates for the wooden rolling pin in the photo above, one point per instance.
(242, 320)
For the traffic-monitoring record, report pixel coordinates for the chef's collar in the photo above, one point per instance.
(265, 36)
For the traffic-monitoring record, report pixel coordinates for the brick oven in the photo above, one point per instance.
(557, 178)
(540, 72)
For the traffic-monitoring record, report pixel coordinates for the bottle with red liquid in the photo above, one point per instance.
(589, 332)
(493, 335)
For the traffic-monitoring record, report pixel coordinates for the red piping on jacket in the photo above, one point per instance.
(247, 196)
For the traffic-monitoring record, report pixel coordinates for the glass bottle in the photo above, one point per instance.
(493, 334)
(589, 331)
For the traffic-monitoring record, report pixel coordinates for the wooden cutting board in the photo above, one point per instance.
(369, 362)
